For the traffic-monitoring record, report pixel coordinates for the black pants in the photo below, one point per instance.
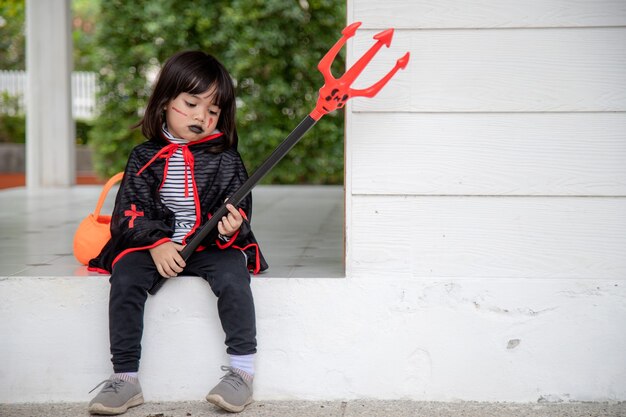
(134, 274)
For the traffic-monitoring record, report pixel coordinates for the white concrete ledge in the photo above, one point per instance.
(327, 339)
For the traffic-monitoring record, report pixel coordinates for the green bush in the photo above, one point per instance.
(12, 129)
(12, 119)
(83, 127)
(271, 48)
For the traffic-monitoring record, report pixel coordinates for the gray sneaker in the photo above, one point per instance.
(116, 397)
(233, 393)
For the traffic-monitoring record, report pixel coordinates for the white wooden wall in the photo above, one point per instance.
(500, 152)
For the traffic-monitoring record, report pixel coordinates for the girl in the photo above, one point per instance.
(172, 184)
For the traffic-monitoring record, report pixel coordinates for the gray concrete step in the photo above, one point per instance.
(335, 409)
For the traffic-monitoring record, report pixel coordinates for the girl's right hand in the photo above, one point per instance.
(167, 259)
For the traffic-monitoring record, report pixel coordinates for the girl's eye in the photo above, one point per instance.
(214, 113)
(190, 104)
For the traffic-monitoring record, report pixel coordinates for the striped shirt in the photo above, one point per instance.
(173, 190)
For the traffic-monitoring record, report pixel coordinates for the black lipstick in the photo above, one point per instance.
(196, 129)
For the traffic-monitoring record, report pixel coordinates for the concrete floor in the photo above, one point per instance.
(300, 230)
(335, 409)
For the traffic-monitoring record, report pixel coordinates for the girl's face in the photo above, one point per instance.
(192, 116)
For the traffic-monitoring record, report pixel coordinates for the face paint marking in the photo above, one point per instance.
(180, 112)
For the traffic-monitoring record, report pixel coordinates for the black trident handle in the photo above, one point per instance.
(333, 95)
(279, 153)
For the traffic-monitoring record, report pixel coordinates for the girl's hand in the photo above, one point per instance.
(167, 259)
(231, 222)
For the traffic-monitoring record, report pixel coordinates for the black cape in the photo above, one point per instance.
(140, 220)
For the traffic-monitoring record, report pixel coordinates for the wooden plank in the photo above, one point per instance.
(488, 237)
(426, 14)
(488, 153)
(510, 70)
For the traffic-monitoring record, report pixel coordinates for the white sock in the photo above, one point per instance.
(243, 362)
(127, 376)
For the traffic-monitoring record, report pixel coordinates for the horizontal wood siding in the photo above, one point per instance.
(438, 14)
(500, 151)
(489, 237)
(561, 154)
(508, 70)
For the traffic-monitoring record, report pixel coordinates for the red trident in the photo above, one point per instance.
(336, 92)
(333, 95)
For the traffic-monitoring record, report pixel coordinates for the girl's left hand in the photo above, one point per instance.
(231, 222)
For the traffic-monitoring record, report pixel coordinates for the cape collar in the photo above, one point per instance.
(174, 145)
(171, 139)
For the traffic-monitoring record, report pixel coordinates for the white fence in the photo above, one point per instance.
(13, 91)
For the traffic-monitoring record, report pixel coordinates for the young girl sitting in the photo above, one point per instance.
(172, 184)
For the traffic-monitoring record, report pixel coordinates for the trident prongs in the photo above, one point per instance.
(336, 92)
(326, 62)
(373, 90)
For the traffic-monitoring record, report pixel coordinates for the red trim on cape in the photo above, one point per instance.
(129, 250)
(206, 139)
(171, 148)
(98, 270)
(231, 240)
(257, 266)
(196, 200)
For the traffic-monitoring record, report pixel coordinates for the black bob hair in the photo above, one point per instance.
(192, 72)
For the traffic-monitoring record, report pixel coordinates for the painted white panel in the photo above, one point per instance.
(488, 13)
(487, 237)
(444, 339)
(508, 70)
(488, 153)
